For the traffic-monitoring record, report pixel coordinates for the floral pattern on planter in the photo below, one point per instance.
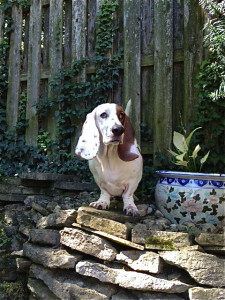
(191, 197)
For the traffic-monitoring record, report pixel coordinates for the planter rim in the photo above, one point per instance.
(192, 174)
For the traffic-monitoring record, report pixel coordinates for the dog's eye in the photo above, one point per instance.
(121, 116)
(104, 115)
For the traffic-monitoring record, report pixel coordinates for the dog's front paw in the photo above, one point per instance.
(131, 210)
(99, 205)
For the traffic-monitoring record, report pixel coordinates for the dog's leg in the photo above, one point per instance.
(103, 202)
(129, 207)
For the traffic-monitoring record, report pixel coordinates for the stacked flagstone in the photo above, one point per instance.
(70, 253)
(89, 254)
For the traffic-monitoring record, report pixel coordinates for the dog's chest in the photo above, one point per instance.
(112, 174)
(115, 170)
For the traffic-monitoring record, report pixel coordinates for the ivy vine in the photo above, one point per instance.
(74, 99)
(211, 88)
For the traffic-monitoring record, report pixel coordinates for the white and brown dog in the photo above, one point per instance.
(109, 143)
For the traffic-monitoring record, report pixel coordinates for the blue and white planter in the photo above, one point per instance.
(191, 197)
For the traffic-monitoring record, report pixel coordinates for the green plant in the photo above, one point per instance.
(106, 29)
(184, 155)
(75, 97)
(22, 121)
(211, 88)
(15, 290)
(72, 100)
(4, 240)
(43, 140)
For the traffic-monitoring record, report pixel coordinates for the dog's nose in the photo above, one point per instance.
(117, 130)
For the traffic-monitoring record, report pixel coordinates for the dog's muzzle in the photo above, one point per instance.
(117, 130)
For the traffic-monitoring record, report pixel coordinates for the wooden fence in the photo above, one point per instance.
(163, 48)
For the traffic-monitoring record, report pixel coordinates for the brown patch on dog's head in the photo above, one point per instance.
(126, 149)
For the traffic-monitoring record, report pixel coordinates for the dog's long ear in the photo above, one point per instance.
(128, 150)
(88, 143)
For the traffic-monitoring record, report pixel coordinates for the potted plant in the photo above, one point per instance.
(190, 196)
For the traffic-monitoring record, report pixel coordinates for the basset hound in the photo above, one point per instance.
(108, 142)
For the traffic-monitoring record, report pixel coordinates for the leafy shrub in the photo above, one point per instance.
(211, 88)
(74, 99)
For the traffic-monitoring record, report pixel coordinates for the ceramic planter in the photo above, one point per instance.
(191, 197)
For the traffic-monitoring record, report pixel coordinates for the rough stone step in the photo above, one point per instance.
(110, 214)
(88, 243)
(160, 240)
(51, 258)
(199, 293)
(102, 224)
(111, 237)
(141, 260)
(204, 268)
(129, 279)
(67, 285)
(211, 239)
(58, 219)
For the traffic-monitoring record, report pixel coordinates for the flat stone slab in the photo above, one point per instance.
(111, 237)
(214, 249)
(12, 197)
(156, 296)
(46, 176)
(160, 240)
(67, 285)
(109, 214)
(43, 211)
(49, 237)
(141, 260)
(51, 258)
(75, 186)
(40, 290)
(23, 264)
(129, 279)
(206, 269)
(88, 243)
(198, 293)
(58, 219)
(210, 239)
(102, 224)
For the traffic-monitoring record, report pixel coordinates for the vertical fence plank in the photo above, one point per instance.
(147, 104)
(147, 25)
(178, 67)
(14, 68)
(163, 74)
(25, 41)
(147, 74)
(33, 81)
(45, 42)
(79, 23)
(91, 29)
(67, 35)
(132, 60)
(193, 50)
(79, 31)
(2, 16)
(55, 53)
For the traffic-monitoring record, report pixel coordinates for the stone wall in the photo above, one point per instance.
(67, 250)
